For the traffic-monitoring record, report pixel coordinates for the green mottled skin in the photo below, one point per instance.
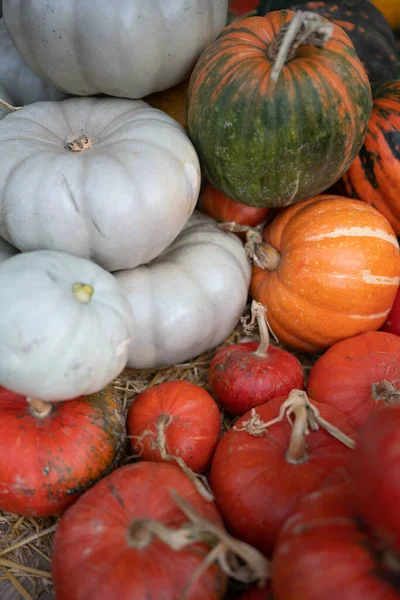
(272, 149)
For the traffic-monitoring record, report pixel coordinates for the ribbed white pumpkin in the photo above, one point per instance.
(4, 95)
(120, 202)
(65, 327)
(190, 298)
(23, 85)
(6, 251)
(125, 48)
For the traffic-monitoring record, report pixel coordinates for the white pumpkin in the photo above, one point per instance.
(125, 48)
(189, 299)
(24, 86)
(4, 95)
(65, 327)
(6, 251)
(118, 196)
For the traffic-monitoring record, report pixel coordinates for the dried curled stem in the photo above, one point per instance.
(260, 253)
(158, 441)
(237, 559)
(305, 28)
(259, 317)
(306, 418)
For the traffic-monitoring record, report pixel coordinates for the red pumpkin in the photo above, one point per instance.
(358, 375)
(376, 473)
(50, 453)
(258, 479)
(102, 548)
(335, 272)
(218, 206)
(242, 7)
(182, 414)
(374, 176)
(257, 593)
(324, 553)
(392, 323)
(243, 376)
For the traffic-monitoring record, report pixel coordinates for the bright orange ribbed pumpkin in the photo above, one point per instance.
(336, 272)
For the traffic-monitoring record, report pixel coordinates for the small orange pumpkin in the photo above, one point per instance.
(333, 271)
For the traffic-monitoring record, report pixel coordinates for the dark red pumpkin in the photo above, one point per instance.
(376, 473)
(242, 7)
(269, 136)
(258, 479)
(324, 552)
(358, 374)
(50, 454)
(173, 101)
(257, 593)
(392, 323)
(103, 550)
(365, 25)
(374, 176)
(177, 418)
(218, 206)
(243, 376)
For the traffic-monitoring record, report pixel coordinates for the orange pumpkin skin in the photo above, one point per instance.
(46, 464)
(194, 428)
(173, 101)
(215, 204)
(338, 273)
(374, 176)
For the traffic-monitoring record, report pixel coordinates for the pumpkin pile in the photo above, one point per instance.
(169, 170)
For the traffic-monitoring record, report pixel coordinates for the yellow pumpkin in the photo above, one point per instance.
(391, 10)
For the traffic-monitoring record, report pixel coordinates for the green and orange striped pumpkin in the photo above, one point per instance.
(270, 143)
(334, 272)
(375, 174)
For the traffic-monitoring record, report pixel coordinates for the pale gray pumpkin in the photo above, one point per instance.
(6, 251)
(23, 85)
(65, 326)
(118, 196)
(125, 48)
(4, 95)
(189, 299)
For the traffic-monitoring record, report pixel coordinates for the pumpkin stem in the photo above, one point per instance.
(306, 28)
(297, 452)
(237, 559)
(139, 536)
(386, 391)
(79, 142)
(296, 399)
(259, 315)
(261, 253)
(39, 408)
(83, 292)
(9, 107)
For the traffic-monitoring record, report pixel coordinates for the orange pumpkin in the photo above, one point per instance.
(173, 101)
(334, 271)
(221, 208)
